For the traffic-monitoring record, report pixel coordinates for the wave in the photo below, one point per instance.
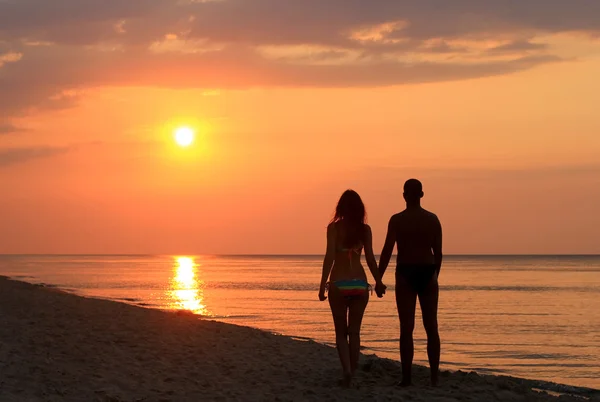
(311, 287)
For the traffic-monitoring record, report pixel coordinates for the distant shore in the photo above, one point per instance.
(56, 346)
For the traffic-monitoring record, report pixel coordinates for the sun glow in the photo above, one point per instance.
(184, 136)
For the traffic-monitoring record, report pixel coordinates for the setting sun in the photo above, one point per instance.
(184, 136)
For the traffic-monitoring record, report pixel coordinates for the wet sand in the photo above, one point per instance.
(56, 346)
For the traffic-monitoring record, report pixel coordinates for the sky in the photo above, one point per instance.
(493, 105)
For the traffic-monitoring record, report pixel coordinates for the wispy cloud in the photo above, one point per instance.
(10, 57)
(8, 128)
(14, 156)
(528, 173)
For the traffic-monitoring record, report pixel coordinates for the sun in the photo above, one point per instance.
(184, 136)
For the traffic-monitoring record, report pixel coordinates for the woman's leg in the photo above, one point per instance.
(429, 307)
(355, 316)
(406, 302)
(339, 311)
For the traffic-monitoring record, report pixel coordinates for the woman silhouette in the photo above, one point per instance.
(347, 235)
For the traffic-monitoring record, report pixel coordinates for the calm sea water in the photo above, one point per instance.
(534, 317)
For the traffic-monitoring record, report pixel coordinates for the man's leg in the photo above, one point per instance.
(406, 301)
(429, 307)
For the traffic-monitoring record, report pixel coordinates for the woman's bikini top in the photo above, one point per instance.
(356, 249)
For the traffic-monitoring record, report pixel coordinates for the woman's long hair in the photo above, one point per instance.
(350, 212)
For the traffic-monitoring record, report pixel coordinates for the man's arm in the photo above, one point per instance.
(388, 247)
(437, 245)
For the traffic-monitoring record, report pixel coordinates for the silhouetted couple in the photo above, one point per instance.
(418, 236)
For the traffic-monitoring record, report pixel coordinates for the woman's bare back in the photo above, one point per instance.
(347, 263)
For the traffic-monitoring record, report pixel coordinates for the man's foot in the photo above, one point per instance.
(405, 383)
(434, 379)
(346, 382)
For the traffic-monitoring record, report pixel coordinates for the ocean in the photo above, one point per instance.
(535, 317)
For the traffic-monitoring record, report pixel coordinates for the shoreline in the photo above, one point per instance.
(56, 345)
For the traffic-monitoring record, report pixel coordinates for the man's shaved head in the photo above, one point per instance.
(413, 190)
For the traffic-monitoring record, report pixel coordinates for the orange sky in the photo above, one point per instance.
(499, 121)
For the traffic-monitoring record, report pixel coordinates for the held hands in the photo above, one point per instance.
(380, 289)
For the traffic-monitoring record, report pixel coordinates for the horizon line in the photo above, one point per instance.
(287, 255)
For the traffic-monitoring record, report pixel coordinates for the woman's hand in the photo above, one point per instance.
(380, 289)
(322, 296)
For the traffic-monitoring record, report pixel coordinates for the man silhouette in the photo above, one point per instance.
(418, 236)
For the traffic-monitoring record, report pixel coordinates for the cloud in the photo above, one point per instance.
(10, 57)
(14, 156)
(520, 173)
(47, 48)
(519, 45)
(8, 128)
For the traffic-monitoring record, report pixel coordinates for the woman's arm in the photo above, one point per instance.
(371, 262)
(328, 260)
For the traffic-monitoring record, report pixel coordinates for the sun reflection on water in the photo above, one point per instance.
(187, 290)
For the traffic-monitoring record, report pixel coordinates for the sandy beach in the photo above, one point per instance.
(56, 346)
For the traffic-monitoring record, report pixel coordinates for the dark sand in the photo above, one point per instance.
(56, 346)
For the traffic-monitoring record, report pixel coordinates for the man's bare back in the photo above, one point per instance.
(417, 232)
